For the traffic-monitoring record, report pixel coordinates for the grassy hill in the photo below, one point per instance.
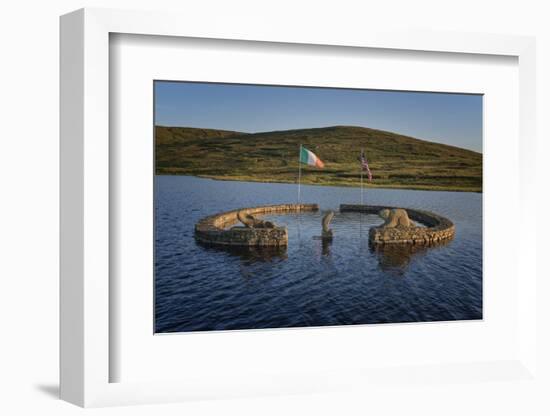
(396, 161)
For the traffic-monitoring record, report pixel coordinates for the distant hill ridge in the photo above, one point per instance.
(396, 161)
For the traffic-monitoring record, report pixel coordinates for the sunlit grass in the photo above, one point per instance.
(396, 161)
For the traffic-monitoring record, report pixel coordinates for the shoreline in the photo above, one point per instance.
(366, 186)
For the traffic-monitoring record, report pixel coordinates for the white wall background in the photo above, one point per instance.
(29, 205)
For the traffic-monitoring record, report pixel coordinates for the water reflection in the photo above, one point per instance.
(395, 258)
(249, 254)
(325, 246)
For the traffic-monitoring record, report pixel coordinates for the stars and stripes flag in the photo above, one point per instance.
(365, 165)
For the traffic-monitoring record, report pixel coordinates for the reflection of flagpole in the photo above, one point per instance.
(299, 196)
(361, 167)
(360, 213)
(299, 171)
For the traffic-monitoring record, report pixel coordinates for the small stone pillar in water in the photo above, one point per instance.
(327, 232)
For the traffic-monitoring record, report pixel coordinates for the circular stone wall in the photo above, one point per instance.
(437, 228)
(213, 229)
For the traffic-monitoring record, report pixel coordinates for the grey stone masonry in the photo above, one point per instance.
(214, 229)
(437, 228)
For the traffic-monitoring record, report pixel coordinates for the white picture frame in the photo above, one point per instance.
(85, 208)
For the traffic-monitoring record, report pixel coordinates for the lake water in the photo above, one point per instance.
(311, 283)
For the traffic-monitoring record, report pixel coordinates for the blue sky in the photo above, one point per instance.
(454, 119)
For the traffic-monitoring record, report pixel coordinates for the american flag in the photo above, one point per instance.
(365, 165)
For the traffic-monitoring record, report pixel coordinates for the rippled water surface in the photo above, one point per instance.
(311, 283)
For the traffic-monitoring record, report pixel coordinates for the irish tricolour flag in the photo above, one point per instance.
(310, 158)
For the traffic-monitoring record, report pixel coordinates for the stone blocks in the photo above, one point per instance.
(437, 228)
(213, 229)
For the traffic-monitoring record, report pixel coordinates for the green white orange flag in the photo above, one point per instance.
(310, 158)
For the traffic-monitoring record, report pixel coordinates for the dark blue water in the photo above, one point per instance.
(311, 283)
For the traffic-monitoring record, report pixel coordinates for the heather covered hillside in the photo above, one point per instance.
(396, 161)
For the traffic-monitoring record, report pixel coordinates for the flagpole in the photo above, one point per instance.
(299, 171)
(299, 196)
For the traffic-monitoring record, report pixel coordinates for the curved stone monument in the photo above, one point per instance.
(395, 229)
(254, 232)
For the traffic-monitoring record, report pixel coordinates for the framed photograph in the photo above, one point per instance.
(268, 213)
(289, 221)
